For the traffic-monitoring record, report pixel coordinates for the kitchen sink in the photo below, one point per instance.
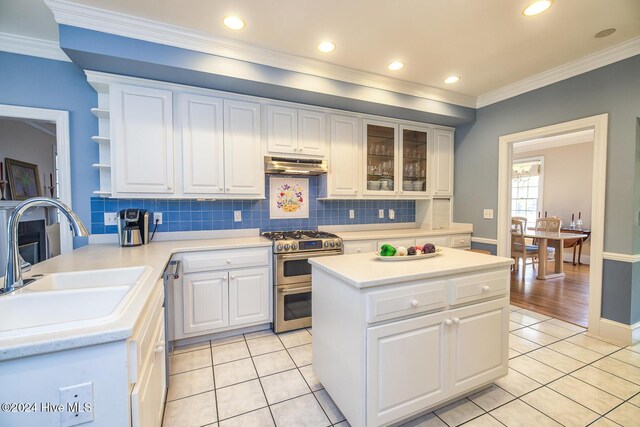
(127, 276)
(29, 310)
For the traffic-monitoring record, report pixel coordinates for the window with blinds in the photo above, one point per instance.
(526, 188)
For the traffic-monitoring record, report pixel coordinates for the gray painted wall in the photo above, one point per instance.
(614, 89)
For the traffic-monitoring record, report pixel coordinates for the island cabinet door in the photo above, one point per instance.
(205, 302)
(406, 367)
(479, 342)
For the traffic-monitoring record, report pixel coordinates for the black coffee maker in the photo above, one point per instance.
(133, 227)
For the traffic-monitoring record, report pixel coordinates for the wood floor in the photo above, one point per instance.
(566, 299)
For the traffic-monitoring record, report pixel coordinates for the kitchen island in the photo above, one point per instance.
(392, 340)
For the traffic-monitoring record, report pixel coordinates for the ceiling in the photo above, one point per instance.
(489, 44)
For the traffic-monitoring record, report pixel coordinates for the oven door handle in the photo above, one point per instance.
(295, 290)
(303, 255)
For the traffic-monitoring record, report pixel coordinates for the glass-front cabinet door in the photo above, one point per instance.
(381, 162)
(414, 161)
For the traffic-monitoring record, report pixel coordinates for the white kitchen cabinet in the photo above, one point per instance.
(142, 141)
(380, 157)
(479, 350)
(282, 129)
(205, 297)
(243, 165)
(249, 296)
(294, 131)
(201, 130)
(343, 177)
(359, 246)
(407, 243)
(220, 291)
(414, 155)
(442, 162)
(407, 367)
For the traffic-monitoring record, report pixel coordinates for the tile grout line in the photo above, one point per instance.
(304, 379)
(259, 381)
(215, 393)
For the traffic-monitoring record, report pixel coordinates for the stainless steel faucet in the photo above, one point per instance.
(13, 278)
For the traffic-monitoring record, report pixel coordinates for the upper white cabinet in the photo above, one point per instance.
(243, 162)
(380, 149)
(294, 131)
(442, 163)
(142, 140)
(414, 155)
(343, 177)
(201, 127)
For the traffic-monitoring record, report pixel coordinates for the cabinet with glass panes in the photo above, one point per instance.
(414, 159)
(381, 147)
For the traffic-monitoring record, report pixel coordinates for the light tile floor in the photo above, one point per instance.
(558, 376)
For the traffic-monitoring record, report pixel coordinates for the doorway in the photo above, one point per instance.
(598, 125)
(57, 122)
(552, 178)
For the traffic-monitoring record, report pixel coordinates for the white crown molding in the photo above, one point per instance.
(554, 141)
(42, 127)
(613, 256)
(23, 45)
(92, 18)
(599, 59)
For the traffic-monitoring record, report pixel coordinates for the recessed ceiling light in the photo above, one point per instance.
(537, 7)
(605, 33)
(396, 65)
(233, 22)
(451, 79)
(326, 47)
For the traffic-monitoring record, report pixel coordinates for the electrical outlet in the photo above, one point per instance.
(380, 213)
(352, 214)
(488, 214)
(237, 216)
(111, 218)
(392, 214)
(157, 217)
(77, 404)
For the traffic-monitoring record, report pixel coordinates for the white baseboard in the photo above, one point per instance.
(619, 332)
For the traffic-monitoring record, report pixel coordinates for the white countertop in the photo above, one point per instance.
(402, 233)
(155, 255)
(364, 270)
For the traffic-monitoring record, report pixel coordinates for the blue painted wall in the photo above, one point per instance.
(192, 215)
(36, 82)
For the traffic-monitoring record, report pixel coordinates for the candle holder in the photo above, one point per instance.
(3, 185)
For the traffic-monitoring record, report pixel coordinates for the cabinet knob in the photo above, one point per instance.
(414, 303)
(159, 348)
(220, 188)
(359, 250)
(228, 261)
(168, 187)
(456, 320)
(228, 189)
(486, 288)
(447, 321)
(233, 277)
(224, 279)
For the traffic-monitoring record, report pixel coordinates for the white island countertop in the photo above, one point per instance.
(155, 256)
(365, 270)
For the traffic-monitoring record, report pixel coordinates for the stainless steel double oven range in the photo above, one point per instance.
(292, 274)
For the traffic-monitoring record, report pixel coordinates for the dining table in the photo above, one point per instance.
(555, 240)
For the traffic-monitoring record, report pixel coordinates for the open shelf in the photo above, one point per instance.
(101, 139)
(100, 113)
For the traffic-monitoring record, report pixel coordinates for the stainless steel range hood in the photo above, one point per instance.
(289, 166)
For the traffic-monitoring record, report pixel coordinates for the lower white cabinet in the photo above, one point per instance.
(220, 299)
(416, 363)
(458, 241)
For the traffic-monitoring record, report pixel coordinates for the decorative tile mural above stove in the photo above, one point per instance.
(192, 215)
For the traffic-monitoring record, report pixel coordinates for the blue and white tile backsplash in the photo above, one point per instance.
(193, 215)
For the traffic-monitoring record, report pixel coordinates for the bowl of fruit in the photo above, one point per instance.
(391, 253)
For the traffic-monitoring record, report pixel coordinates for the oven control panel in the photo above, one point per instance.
(307, 245)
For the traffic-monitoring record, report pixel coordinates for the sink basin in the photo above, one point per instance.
(78, 299)
(86, 279)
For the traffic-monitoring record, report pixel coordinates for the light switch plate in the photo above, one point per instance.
(380, 213)
(237, 216)
(111, 218)
(488, 214)
(352, 214)
(392, 214)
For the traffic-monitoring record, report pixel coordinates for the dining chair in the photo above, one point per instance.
(519, 248)
(551, 224)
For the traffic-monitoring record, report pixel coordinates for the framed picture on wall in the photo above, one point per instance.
(24, 179)
(289, 198)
